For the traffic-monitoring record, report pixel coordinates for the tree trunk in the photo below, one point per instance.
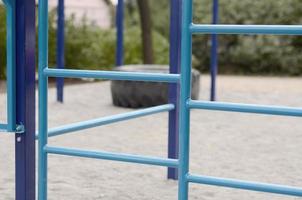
(146, 27)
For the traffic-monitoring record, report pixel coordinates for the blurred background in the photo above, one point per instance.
(90, 36)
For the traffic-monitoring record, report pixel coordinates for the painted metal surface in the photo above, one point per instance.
(175, 29)
(185, 87)
(246, 108)
(60, 48)
(25, 98)
(112, 156)
(108, 120)
(11, 65)
(112, 75)
(246, 185)
(119, 52)
(246, 29)
(214, 53)
(43, 86)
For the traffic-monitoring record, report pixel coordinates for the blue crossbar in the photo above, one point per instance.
(246, 29)
(246, 108)
(246, 185)
(112, 75)
(112, 156)
(108, 120)
(3, 127)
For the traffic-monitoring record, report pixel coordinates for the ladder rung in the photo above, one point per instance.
(246, 108)
(246, 29)
(108, 120)
(245, 185)
(148, 160)
(19, 129)
(112, 75)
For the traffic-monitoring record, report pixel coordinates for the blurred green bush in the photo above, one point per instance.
(239, 54)
(88, 47)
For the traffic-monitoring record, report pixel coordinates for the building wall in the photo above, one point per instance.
(96, 11)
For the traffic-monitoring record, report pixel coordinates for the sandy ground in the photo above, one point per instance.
(251, 147)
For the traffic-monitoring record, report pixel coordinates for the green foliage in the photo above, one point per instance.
(89, 47)
(278, 55)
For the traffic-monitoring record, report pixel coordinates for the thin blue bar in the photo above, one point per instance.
(246, 185)
(11, 64)
(3, 127)
(60, 49)
(148, 160)
(246, 29)
(214, 54)
(119, 55)
(246, 108)
(43, 86)
(112, 75)
(108, 120)
(185, 93)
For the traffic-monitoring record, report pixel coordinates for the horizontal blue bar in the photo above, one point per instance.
(246, 108)
(246, 29)
(245, 185)
(3, 127)
(19, 129)
(112, 75)
(108, 120)
(112, 156)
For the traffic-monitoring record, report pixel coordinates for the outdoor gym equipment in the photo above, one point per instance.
(22, 16)
(185, 106)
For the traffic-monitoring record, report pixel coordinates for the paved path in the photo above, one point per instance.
(251, 147)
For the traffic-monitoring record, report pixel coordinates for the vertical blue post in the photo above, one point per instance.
(60, 49)
(214, 55)
(185, 93)
(175, 38)
(25, 95)
(119, 52)
(43, 85)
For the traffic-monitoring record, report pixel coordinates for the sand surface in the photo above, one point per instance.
(250, 147)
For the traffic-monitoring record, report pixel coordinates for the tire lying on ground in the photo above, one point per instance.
(137, 94)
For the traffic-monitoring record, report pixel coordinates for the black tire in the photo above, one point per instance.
(138, 94)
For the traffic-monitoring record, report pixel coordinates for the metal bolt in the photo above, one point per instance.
(19, 139)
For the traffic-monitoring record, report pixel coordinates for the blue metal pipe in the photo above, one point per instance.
(112, 75)
(174, 68)
(246, 29)
(214, 55)
(43, 87)
(185, 93)
(108, 120)
(246, 185)
(119, 55)
(25, 60)
(11, 64)
(246, 108)
(148, 160)
(3, 127)
(60, 49)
